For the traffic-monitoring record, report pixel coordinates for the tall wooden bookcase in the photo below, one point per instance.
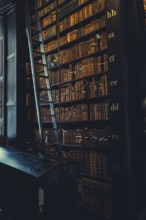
(93, 55)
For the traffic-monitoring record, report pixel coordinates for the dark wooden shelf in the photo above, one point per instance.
(46, 4)
(97, 75)
(104, 180)
(49, 25)
(98, 99)
(78, 40)
(82, 23)
(48, 13)
(52, 37)
(99, 147)
(52, 51)
(78, 59)
(63, 3)
(72, 10)
(82, 38)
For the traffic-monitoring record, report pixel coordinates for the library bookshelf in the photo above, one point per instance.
(87, 67)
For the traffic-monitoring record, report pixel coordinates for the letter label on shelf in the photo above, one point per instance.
(111, 35)
(111, 13)
(115, 107)
(112, 58)
(114, 83)
(115, 136)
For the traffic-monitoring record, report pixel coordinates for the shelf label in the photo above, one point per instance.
(112, 58)
(111, 35)
(111, 13)
(115, 137)
(114, 83)
(115, 107)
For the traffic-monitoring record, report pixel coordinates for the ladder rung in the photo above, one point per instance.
(53, 115)
(41, 64)
(41, 71)
(46, 102)
(44, 89)
(35, 30)
(38, 57)
(38, 52)
(52, 144)
(37, 41)
(40, 76)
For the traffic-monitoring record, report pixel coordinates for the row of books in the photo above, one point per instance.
(80, 15)
(52, 30)
(68, 7)
(49, 18)
(99, 111)
(85, 67)
(91, 163)
(96, 196)
(82, 31)
(73, 35)
(61, 1)
(51, 45)
(92, 8)
(40, 3)
(86, 137)
(81, 90)
(51, 5)
(49, 136)
(76, 91)
(80, 112)
(73, 19)
(78, 51)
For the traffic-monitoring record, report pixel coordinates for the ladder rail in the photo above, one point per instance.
(30, 46)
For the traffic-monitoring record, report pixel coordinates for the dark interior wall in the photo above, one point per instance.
(136, 60)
